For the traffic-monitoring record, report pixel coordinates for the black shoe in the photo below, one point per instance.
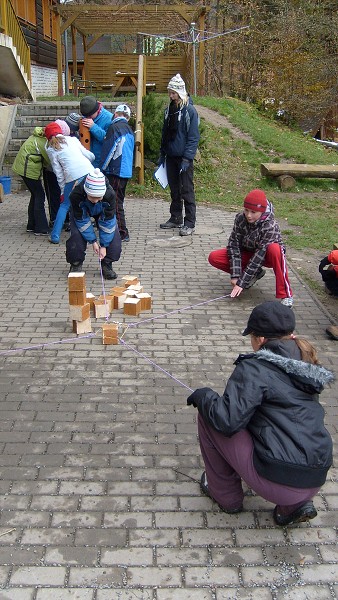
(107, 271)
(260, 273)
(76, 267)
(301, 514)
(205, 489)
(170, 225)
(186, 230)
(126, 238)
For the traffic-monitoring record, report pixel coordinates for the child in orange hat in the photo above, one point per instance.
(328, 268)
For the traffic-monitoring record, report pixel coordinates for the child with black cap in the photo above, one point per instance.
(97, 119)
(268, 427)
(255, 241)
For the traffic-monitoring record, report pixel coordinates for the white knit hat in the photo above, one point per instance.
(123, 108)
(176, 84)
(95, 184)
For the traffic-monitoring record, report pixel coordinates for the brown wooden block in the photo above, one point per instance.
(145, 301)
(101, 308)
(137, 287)
(129, 293)
(90, 299)
(110, 333)
(119, 300)
(82, 326)
(77, 298)
(132, 306)
(80, 313)
(130, 280)
(76, 282)
(109, 299)
(117, 289)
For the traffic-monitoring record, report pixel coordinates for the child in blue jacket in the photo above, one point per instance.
(93, 198)
(97, 119)
(117, 161)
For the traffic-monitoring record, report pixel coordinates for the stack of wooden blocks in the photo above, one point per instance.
(130, 297)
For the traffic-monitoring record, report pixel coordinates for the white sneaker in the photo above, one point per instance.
(287, 302)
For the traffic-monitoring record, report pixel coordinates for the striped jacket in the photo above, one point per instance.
(253, 237)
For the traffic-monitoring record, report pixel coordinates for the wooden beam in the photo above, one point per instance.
(93, 41)
(74, 50)
(67, 23)
(59, 54)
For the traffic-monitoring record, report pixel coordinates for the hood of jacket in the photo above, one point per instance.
(305, 376)
(39, 132)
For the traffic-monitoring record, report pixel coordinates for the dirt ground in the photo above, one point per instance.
(304, 263)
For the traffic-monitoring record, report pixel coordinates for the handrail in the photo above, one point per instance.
(10, 26)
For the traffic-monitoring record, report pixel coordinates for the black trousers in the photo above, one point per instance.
(182, 191)
(53, 193)
(76, 245)
(37, 220)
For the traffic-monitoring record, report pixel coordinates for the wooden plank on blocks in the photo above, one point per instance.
(101, 309)
(110, 333)
(77, 298)
(82, 326)
(76, 282)
(132, 306)
(130, 280)
(79, 313)
(145, 301)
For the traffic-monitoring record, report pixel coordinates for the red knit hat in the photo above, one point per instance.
(256, 200)
(52, 129)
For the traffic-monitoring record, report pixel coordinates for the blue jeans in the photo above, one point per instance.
(62, 212)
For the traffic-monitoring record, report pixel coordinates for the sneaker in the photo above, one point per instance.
(287, 302)
(125, 239)
(185, 230)
(205, 489)
(260, 273)
(301, 514)
(53, 240)
(332, 332)
(76, 267)
(29, 230)
(108, 272)
(40, 233)
(170, 225)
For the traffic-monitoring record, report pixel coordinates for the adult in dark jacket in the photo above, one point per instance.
(268, 427)
(93, 197)
(180, 137)
(117, 161)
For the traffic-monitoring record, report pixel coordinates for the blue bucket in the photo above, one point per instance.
(6, 184)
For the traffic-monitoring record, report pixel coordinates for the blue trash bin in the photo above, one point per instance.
(6, 184)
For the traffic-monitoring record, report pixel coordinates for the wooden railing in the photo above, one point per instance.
(9, 25)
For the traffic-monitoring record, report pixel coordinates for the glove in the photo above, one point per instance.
(196, 397)
(62, 198)
(161, 160)
(185, 164)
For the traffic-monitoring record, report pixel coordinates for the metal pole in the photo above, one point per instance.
(194, 55)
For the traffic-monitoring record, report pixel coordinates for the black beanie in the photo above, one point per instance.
(88, 106)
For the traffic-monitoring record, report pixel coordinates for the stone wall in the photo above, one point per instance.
(44, 81)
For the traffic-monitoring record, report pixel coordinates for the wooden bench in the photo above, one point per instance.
(287, 172)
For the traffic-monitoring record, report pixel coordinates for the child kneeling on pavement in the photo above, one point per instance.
(255, 241)
(267, 428)
(93, 197)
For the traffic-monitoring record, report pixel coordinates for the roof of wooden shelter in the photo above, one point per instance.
(130, 19)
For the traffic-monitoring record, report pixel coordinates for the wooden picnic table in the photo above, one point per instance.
(126, 82)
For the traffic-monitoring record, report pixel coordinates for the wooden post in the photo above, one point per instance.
(201, 58)
(141, 91)
(59, 53)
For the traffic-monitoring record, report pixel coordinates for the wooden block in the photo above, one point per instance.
(110, 333)
(80, 313)
(109, 299)
(132, 306)
(137, 287)
(90, 299)
(76, 282)
(117, 289)
(119, 300)
(82, 326)
(145, 301)
(100, 309)
(130, 293)
(130, 280)
(77, 298)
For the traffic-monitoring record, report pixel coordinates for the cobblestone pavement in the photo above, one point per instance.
(100, 460)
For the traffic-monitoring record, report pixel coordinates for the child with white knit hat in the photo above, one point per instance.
(93, 198)
(180, 137)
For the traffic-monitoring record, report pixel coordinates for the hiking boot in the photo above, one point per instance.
(170, 225)
(76, 267)
(287, 302)
(260, 273)
(332, 331)
(205, 489)
(301, 514)
(107, 271)
(185, 230)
